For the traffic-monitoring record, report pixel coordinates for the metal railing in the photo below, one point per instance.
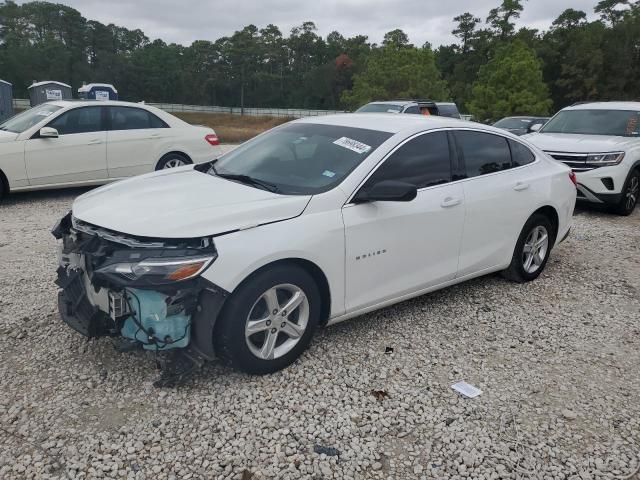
(23, 103)
(256, 112)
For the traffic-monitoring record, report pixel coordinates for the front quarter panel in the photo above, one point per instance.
(316, 236)
(12, 163)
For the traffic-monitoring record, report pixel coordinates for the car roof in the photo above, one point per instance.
(82, 103)
(392, 102)
(605, 106)
(523, 116)
(384, 122)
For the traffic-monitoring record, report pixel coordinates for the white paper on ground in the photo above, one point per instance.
(466, 389)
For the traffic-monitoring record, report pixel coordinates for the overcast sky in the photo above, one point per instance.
(183, 21)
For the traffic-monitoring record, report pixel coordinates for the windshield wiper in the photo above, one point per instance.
(243, 178)
(249, 180)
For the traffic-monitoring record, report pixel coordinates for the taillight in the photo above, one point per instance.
(212, 139)
(573, 178)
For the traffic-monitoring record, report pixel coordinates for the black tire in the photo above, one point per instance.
(630, 193)
(230, 343)
(167, 160)
(517, 271)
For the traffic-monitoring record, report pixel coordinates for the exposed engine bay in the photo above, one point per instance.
(148, 291)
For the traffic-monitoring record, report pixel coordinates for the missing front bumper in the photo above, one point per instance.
(163, 317)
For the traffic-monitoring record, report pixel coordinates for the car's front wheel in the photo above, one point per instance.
(532, 250)
(630, 194)
(269, 320)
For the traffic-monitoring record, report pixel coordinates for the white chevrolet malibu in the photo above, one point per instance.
(308, 224)
(74, 143)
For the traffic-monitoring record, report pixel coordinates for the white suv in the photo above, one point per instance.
(600, 141)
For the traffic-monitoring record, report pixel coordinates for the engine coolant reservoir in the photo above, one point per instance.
(149, 311)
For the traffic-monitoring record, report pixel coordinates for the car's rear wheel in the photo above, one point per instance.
(532, 250)
(173, 160)
(630, 194)
(269, 320)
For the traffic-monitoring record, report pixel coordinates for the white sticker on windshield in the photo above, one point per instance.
(353, 145)
(329, 173)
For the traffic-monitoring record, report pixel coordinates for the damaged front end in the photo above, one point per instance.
(146, 290)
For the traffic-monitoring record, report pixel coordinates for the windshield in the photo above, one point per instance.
(595, 122)
(380, 107)
(301, 158)
(27, 119)
(511, 122)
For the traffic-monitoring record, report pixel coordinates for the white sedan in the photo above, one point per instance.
(74, 143)
(311, 223)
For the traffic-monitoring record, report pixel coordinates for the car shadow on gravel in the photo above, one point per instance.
(17, 198)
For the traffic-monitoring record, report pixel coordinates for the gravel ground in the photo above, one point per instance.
(557, 361)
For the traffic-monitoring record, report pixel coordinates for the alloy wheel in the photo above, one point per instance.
(173, 163)
(632, 193)
(277, 321)
(535, 249)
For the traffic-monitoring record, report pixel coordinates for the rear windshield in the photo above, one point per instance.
(380, 107)
(513, 123)
(623, 123)
(448, 110)
(27, 119)
(302, 158)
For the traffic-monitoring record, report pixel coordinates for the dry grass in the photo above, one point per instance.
(233, 128)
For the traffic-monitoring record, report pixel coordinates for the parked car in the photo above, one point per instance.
(73, 143)
(600, 141)
(520, 125)
(314, 222)
(419, 107)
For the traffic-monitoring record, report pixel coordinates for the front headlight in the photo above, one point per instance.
(612, 158)
(159, 271)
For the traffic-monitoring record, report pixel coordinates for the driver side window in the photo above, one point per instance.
(78, 120)
(423, 161)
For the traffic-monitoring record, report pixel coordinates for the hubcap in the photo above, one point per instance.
(173, 163)
(535, 249)
(277, 321)
(632, 193)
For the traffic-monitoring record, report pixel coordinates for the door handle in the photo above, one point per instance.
(450, 202)
(95, 142)
(154, 135)
(520, 186)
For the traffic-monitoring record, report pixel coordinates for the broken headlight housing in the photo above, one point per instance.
(156, 270)
(603, 159)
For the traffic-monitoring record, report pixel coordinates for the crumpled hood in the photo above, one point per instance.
(569, 142)
(7, 136)
(183, 203)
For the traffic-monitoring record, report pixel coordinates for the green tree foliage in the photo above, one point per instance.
(500, 18)
(510, 84)
(397, 70)
(264, 67)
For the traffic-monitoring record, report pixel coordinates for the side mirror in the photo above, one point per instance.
(535, 127)
(387, 191)
(48, 132)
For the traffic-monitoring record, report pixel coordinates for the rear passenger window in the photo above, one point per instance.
(520, 155)
(130, 118)
(483, 152)
(423, 162)
(413, 109)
